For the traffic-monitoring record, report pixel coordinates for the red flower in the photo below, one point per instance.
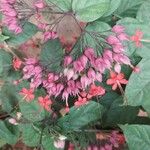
(17, 63)
(81, 101)
(116, 79)
(137, 38)
(28, 94)
(96, 90)
(45, 102)
(121, 139)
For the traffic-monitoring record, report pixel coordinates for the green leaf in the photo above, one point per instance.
(89, 11)
(9, 97)
(5, 63)
(114, 4)
(32, 111)
(138, 88)
(48, 143)
(3, 38)
(52, 55)
(98, 26)
(62, 5)
(10, 134)
(128, 8)
(2, 142)
(29, 30)
(137, 136)
(82, 116)
(30, 134)
(132, 25)
(143, 14)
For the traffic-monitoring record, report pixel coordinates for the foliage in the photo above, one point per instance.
(76, 76)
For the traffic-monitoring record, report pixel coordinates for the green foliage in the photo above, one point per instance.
(128, 8)
(61, 5)
(8, 133)
(137, 136)
(132, 25)
(143, 12)
(9, 97)
(52, 55)
(80, 117)
(30, 134)
(3, 38)
(137, 90)
(5, 63)
(28, 31)
(32, 111)
(90, 10)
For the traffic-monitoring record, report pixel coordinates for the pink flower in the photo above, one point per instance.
(39, 4)
(123, 37)
(85, 81)
(60, 144)
(116, 79)
(118, 29)
(45, 102)
(117, 68)
(137, 38)
(89, 53)
(42, 26)
(96, 90)
(77, 65)
(13, 121)
(112, 40)
(17, 63)
(67, 60)
(50, 35)
(91, 74)
(28, 94)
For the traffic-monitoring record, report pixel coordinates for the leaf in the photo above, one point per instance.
(89, 11)
(48, 143)
(138, 88)
(62, 5)
(30, 134)
(128, 8)
(10, 134)
(79, 117)
(3, 38)
(5, 63)
(32, 111)
(143, 14)
(52, 55)
(98, 26)
(9, 97)
(137, 136)
(114, 4)
(132, 25)
(29, 30)
(2, 143)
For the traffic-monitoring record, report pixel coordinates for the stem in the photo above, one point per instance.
(123, 93)
(145, 40)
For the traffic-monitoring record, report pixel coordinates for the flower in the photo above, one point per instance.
(17, 63)
(28, 94)
(81, 101)
(45, 102)
(116, 79)
(118, 29)
(137, 38)
(50, 35)
(13, 121)
(96, 90)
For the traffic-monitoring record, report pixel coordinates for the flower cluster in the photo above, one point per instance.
(10, 15)
(78, 78)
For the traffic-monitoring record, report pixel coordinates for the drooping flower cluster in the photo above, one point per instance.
(10, 15)
(32, 71)
(79, 76)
